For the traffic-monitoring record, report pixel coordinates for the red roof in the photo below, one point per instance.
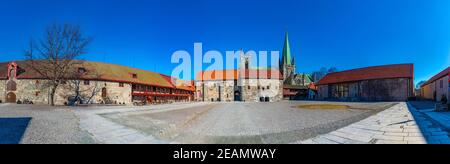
(213, 75)
(445, 72)
(312, 86)
(369, 73)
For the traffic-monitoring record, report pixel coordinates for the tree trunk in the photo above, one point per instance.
(52, 95)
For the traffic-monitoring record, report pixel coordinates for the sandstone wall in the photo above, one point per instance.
(254, 89)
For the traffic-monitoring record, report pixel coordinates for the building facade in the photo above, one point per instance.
(242, 84)
(100, 83)
(437, 87)
(379, 83)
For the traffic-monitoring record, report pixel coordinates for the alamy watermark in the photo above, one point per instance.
(249, 65)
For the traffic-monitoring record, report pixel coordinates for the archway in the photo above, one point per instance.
(237, 96)
(11, 97)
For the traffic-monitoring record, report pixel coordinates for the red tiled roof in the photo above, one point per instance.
(312, 86)
(218, 75)
(445, 72)
(212, 75)
(376, 72)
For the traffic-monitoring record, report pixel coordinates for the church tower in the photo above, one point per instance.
(287, 62)
(244, 61)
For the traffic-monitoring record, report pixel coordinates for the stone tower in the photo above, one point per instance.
(244, 61)
(287, 62)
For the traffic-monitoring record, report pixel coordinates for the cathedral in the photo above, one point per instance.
(275, 84)
(295, 86)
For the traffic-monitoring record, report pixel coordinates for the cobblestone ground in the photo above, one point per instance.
(48, 125)
(401, 124)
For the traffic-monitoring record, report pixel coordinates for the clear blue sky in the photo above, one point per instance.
(342, 33)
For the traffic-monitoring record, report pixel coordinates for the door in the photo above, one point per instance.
(237, 96)
(11, 97)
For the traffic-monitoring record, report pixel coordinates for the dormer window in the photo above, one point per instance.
(82, 70)
(134, 76)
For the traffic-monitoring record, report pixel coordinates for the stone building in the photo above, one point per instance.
(100, 83)
(379, 83)
(437, 87)
(242, 84)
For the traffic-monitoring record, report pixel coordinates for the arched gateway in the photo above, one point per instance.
(11, 97)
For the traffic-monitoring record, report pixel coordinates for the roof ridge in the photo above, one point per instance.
(370, 67)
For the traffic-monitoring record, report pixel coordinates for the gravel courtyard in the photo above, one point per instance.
(228, 123)
(247, 123)
(48, 125)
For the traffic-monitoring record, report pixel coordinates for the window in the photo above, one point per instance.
(246, 65)
(87, 82)
(81, 70)
(340, 91)
(134, 76)
(268, 87)
(248, 87)
(441, 84)
(121, 85)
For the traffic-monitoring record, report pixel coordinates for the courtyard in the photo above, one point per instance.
(220, 123)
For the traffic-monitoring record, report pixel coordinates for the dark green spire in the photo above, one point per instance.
(287, 60)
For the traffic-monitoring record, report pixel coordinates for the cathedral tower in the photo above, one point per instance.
(287, 65)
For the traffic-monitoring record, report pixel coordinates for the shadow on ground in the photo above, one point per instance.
(13, 129)
(431, 130)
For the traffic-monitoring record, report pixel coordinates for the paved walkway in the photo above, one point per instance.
(442, 117)
(108, 132)
(401, 124)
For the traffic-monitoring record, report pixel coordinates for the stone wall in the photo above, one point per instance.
(215, 90)
(35, 90)
(254, 89)
(2, 90)
(224, 90)
(114, 93)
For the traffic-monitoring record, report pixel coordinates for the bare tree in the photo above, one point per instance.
(317, 75)
(54, 57)
(84, 93)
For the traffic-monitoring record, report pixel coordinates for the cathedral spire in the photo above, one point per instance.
(287, 60)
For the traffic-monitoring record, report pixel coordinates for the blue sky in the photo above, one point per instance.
(345, 34)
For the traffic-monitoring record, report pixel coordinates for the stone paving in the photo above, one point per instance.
(401, 124)
(244, 123)
(232, 123)
(46, 125)
(109, 132)
(442, 117)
